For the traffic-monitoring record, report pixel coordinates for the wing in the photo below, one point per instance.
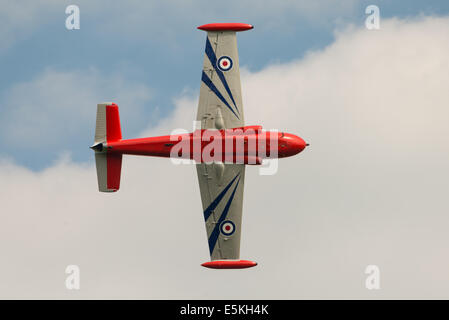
(220, 103)
(221, 187)
(220, 107)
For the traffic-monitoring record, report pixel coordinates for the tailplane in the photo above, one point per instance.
(109, 165)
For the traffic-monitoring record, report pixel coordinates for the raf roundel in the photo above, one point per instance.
(227, 228)
(224, 63)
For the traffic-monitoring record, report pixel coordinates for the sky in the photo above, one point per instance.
(370, 190)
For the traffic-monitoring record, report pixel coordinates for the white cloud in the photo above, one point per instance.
(371, 189)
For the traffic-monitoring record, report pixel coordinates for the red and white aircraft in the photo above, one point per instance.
(221, 148)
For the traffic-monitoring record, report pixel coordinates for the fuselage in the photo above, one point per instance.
(247, 145)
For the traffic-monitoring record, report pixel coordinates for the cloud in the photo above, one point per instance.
(19, 20)
(57, 108)
(370, 189)
(144, 13)
(137, 18)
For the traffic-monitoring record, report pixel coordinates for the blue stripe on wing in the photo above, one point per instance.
(217, 200)
(213, 60)
(214, 89)
(216, 232)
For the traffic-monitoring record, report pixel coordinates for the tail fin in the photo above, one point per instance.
(109, 165)
(108, 123)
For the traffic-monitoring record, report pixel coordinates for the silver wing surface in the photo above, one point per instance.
(222, 199)
(220, 107)
(220, 104)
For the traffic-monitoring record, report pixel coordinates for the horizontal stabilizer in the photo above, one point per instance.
(109, 167)
(108, 123)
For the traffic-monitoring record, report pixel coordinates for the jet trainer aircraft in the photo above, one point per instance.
(221, 147)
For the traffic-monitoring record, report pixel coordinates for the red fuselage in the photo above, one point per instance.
(247, 145)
